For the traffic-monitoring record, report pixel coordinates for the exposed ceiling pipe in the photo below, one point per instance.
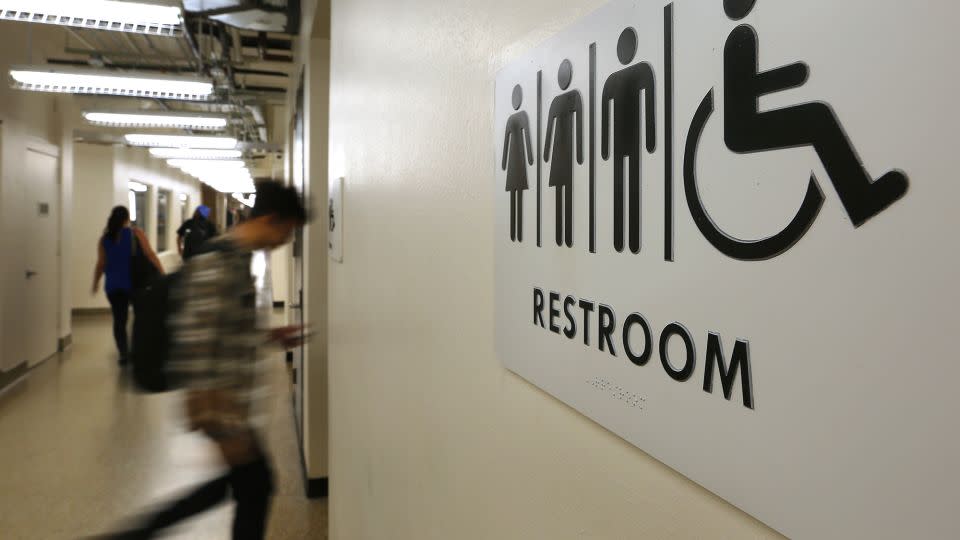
(79, 38)
(192, 42)
(268, 43)
(132, 45)
(257, 112)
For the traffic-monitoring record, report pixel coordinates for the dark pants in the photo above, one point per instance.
(251, 486)
(120, 305)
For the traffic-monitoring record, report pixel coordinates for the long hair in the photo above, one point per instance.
(119, 217)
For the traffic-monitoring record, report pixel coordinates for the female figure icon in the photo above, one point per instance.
(565, 107)
(516, 156)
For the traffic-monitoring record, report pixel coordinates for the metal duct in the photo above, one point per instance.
(259, 15)
(257, 113)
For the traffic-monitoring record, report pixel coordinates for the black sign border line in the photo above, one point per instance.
(592, 210)
(539, 152)
(668, 134)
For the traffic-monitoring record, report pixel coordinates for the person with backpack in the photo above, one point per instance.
(117, 251)
(214, 341)
(195, 232)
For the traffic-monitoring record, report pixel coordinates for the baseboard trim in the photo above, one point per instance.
(80, 312)
(279, 305)
(65, 342)
(10, 379)
(314, 488)
(318, 488)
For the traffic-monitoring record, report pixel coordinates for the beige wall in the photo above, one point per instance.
(316, 407)
(66, 107)
(93, 198)
(312, 59)
(137, 164)
(101, 174)
(25, 118)
(430, 437)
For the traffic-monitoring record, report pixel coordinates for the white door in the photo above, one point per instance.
(41, 268)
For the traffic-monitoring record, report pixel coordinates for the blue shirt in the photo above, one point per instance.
(119, 254)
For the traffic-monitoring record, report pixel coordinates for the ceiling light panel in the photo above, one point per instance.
(181, 141)
(194, 153)
(143, 119)
(207, 165)
(247, 201)
(102, 82)
(153, 18)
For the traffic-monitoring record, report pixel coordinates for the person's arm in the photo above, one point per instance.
(782, 78)
(147, 250)
(650, 109)
(526, 134)
(181, 231)
(579, 113)
(605, 121)
(99, 268)
(546, 141)
(506, 145)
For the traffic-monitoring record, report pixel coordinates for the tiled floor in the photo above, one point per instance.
(80, 452)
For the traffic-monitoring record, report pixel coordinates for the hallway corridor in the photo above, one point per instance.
(80, 451)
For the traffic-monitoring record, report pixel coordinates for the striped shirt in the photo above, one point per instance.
(216, 338)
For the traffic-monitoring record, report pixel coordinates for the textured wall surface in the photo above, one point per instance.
(430, 437)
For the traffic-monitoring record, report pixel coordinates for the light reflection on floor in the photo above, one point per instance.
(79, 451)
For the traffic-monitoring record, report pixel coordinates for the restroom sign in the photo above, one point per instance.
(708, 224)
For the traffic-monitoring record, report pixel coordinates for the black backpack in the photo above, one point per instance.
(197, 235)
(152, 335)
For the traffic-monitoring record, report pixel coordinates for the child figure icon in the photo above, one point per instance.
(516, 155)
(815, 124)
(565, 107)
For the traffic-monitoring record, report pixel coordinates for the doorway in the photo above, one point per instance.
(297, 307)
(40, 253)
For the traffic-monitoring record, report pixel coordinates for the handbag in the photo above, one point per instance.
(142, 272)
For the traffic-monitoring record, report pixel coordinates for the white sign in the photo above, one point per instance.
(723, 232)
(335, 230)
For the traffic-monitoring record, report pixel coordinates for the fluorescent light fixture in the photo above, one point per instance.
(194, 153)
(207, 164)
(137, 186)
(248, 201)
(151, 17)
(225, 176)
(132, 204)
(226, 185)
(113, 83)
(181, 141)
(149, 119)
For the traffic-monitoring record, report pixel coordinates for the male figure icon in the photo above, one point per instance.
(748, 130)
(515, 159)
(564, 108)
(623, 88)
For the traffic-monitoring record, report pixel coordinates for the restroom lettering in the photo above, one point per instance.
(635, 340)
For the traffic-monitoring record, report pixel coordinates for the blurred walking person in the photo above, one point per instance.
(116, 250)
(214, 357)
(195, 232)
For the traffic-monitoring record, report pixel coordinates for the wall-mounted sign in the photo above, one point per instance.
(720, 232)
(335, 217)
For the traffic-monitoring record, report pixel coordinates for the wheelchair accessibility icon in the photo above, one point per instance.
(748, 130)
